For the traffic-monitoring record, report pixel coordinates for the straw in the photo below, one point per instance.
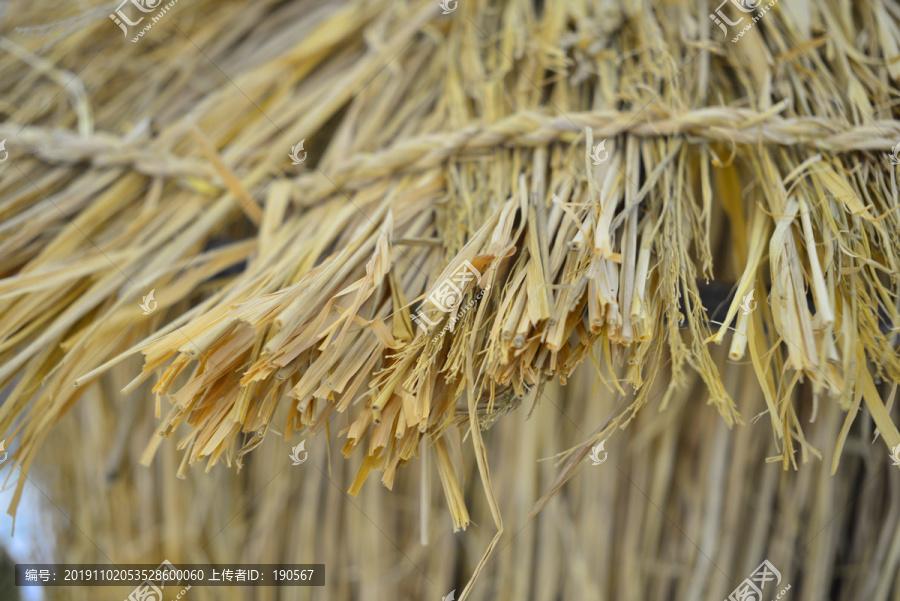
(291, 296)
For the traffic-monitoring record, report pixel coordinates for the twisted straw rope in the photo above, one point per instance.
(59, 146)
(719, 124)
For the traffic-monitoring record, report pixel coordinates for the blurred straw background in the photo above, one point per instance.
(681, 509)
(434, 135)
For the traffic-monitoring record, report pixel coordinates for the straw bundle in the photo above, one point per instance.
(682, 509)
(289, 295)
